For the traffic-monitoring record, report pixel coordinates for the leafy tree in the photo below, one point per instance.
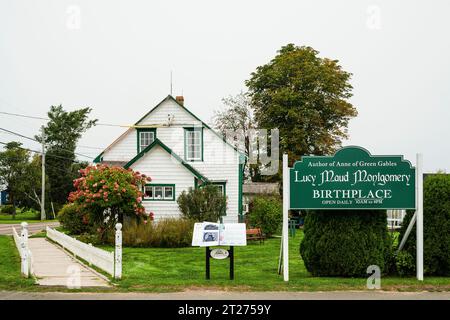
(62, 133)
(108, 194)
(14, 162)
(236, 122)
(202, 204)
(30, 189)
(305, 97)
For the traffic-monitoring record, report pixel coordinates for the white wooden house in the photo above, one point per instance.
(178, 151)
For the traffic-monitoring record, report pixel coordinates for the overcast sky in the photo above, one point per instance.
(116, 57)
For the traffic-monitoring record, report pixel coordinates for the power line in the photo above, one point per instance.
(18, 134)
(48, 155)
(48, 119)
(47, 165)
(32, 139)
(24, 116)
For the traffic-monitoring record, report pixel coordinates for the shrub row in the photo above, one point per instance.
(7, 209)
(166, 233)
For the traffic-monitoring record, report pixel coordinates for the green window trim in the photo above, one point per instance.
(163, 191)
(190, 129)
(138, 137)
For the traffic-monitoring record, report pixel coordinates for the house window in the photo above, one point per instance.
(145, 138)
(159, 192)
(193, 142)
(221, 187)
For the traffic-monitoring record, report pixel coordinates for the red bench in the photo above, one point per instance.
(255, 234)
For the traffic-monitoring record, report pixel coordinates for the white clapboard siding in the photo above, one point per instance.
(164, 169)
(220, 161)
(124, 149)
(100, 258)
(180, 116)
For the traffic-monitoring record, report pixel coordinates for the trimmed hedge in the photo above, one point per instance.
(436, 230)
(345, 242)
(166, 233)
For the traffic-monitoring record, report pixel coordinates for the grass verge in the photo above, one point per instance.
(179, 269)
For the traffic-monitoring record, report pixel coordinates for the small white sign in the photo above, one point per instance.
(219, 254)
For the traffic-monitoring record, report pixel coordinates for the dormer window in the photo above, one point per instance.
(145, 137)
(193, 144)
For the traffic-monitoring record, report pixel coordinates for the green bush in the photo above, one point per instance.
(202, 204)
(436, 226)
(8, 209)
(405, 263)
(345, 242)
(165, 233)
(267, 214)
(74, 219)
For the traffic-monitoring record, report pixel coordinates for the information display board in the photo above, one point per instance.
(209, 234)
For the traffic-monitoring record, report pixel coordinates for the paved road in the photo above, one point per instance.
(6, 229)
(54, 267)
(226, 295)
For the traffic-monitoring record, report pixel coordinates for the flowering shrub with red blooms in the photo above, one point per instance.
(109, 191)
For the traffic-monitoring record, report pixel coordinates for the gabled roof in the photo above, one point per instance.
(158, 142)
(169, 97)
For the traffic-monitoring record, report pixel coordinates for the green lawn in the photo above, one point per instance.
(256, 265)
(28, 216)
(161, 270)
(10, 278)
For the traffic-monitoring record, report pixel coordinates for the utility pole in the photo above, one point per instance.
(43, 176)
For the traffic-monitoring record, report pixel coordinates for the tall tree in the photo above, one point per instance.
(305, 97)
(61, 134)
(235, 122)
(14, 162)
(29, 190)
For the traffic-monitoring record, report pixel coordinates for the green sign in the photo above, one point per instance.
(352, 179)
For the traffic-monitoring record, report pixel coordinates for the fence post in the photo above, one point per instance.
(24, 248)
(118, 252)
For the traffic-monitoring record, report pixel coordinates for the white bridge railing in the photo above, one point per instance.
(110, 262)
(26, 265)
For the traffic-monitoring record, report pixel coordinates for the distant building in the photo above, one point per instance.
(251, 190)
(4, 197)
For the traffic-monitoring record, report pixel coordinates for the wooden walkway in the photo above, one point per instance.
(53, 266)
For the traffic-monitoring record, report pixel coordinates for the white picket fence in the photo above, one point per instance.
(395, 218)
(110, 262)
(26, 258)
